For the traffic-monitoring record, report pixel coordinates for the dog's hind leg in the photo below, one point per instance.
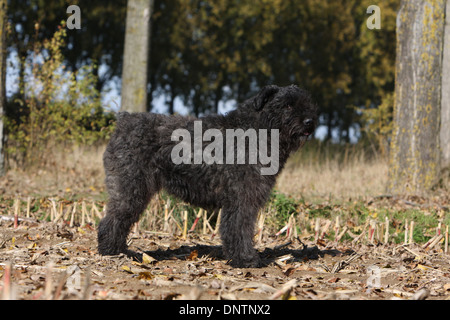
(129, 196)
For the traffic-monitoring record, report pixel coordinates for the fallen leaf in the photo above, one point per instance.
(305, 267)
(171, 296)
(334, 280)
(145, 293)
(127, 269)
(145, 276)
(32, 245)
(321, 242)
(422, 267)
(193, 255)
(289, 271)
(146, 259)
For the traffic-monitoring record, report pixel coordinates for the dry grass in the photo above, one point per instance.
(76, 170)
(334, 172)
(317, 172)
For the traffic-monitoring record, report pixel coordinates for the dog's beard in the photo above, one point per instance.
(296, 142)
(303, 140)
(300, 142)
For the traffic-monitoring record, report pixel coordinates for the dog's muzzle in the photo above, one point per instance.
(309, 127)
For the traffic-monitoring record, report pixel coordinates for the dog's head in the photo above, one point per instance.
(288, 109)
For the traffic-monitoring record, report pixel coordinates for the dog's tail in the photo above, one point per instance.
(121, 117)
(124, 122)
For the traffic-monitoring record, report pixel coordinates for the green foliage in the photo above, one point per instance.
(60, 107)
(425, 222)
(377, 53)
(283, 207)
(377, 123)
(100, 38)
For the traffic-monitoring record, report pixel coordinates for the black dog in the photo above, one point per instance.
(145, 155)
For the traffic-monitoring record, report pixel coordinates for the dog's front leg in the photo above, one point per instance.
(237, 230)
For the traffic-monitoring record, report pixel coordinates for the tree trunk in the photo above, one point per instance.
(172, 101)
(135, 58)
(3, 21)
(415, 152)
(445, 100)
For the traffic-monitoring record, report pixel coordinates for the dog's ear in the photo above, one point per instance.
(264, 96)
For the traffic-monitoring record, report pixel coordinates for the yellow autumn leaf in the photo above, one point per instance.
(127, 269)
(422, 267)
(145, 276)
(146, 259)
(32, 245)
(288, 296)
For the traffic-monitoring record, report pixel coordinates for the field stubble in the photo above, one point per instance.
(328, 229)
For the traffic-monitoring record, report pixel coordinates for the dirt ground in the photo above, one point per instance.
(44, 260)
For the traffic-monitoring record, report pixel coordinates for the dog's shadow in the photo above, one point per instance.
(268, 256)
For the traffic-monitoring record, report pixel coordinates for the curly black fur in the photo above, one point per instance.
(138, 164)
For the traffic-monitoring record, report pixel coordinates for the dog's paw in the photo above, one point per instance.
(135, 256)
(248, 262)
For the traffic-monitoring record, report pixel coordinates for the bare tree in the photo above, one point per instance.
(135, 59)
(415, 149)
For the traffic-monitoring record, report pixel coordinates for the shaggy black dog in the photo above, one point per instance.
(146, 154)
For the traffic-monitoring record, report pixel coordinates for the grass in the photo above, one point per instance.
(325, 171)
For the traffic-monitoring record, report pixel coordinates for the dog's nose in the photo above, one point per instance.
(308, 122)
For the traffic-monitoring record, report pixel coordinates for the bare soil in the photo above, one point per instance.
(45, 260)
